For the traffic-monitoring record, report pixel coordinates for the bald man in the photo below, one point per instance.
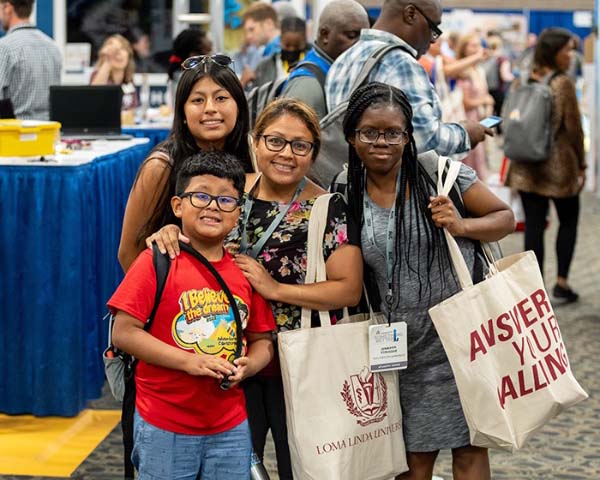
(339, 28)
(413, 25)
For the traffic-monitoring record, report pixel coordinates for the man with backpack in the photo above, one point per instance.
(339, 28)
(411, 26)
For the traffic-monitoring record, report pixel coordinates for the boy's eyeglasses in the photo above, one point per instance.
(225, 203)
(218, 58)
(433, 28)
(391, 136)
(277, 144)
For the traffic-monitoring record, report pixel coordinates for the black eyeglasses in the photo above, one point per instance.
(277, 144)
(435, 30)
(203, 200)
(391, 136)
(218, 58)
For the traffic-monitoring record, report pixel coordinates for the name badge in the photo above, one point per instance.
(388, 347)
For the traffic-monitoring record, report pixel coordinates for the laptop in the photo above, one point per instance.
(87, 112)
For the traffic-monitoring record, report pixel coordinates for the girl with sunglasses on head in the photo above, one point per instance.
(271, 237)
(211, 113)
(412, 272)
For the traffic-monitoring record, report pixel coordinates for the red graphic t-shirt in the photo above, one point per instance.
(194, 315)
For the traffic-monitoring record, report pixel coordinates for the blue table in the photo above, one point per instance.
(154, 134)
(59, 233)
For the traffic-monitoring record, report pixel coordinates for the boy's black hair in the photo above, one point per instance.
(215, 162)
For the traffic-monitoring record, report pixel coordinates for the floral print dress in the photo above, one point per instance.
(284, 254)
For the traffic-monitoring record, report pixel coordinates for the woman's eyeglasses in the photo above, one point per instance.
(277, 144)
(195, 62)
(391, 136)
(225, 203)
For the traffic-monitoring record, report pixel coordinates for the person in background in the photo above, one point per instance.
(413, 26)
(190, 42)
(387, 186)
(185, 425)
(293, 50)
(477, 101)
(562, 176)
(142, 55)
(30, 62)
(115, 66)
(339, 28)
(211, 113)
(524, 61)
(576, 67)
(498, 72)
(261, 35)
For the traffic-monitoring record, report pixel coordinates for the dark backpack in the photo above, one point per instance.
(334, 148)
(527, 113)
(162, 264)
(259, 97)
(491, 67)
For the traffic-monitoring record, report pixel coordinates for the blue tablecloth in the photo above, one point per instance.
(59, 235)
(155, 135)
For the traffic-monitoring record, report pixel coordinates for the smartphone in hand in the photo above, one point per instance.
(491, 121)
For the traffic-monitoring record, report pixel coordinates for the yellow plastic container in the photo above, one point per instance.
(27, 138)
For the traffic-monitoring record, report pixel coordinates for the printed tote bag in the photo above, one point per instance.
(344, 422)
(505, 348)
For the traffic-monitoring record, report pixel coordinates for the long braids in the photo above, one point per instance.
(412, 176)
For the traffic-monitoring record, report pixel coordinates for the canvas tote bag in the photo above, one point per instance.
(505, 348)
(344, 422)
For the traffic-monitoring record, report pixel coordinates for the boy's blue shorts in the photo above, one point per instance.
(159, 454)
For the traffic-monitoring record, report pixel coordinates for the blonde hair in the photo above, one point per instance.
(130, 68)
(463, 41)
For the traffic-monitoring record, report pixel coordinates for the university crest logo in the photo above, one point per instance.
(366, 397)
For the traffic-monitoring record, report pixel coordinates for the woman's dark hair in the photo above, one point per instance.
(290, 106)
(377, 95)
(549, 43)
(189, 42)
(181, 145)
(216, 163)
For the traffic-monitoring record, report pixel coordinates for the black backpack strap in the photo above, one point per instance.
(162, 264)
(236, 313)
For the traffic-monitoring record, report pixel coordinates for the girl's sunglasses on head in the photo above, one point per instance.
(218, 58)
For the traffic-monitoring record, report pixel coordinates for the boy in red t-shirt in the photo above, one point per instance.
(185, 425)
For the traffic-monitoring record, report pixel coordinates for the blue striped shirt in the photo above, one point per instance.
(400, 69)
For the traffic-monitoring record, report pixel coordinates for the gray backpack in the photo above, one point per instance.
(334, 148)
(527, 113)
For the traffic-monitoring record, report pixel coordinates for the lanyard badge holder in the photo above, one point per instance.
(388, 346)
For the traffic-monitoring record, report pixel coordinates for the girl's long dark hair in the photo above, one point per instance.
(181, 144)
(412, 175)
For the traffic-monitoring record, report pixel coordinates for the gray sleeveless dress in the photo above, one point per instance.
(432, 414)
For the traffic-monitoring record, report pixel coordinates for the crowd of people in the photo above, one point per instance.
(243, 199)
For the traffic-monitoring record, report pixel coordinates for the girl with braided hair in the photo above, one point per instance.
(408, 265)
